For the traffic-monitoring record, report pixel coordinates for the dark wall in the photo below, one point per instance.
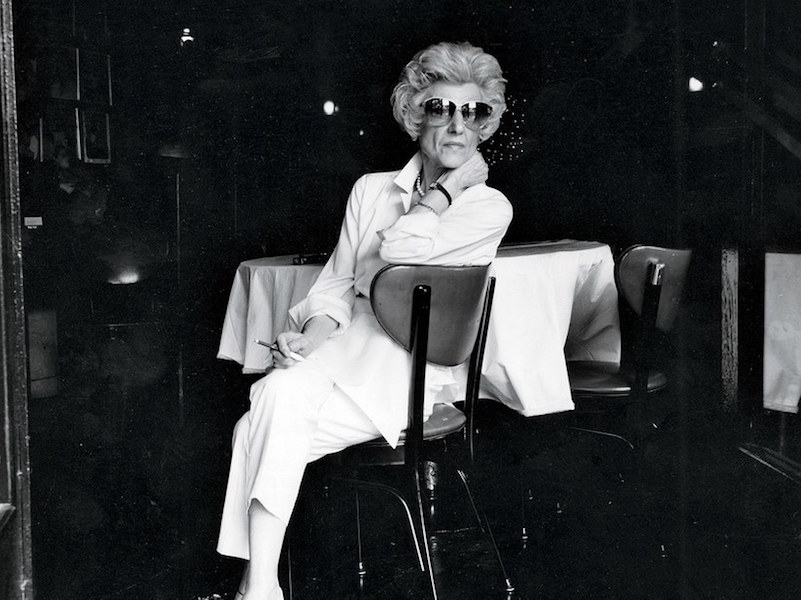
(586, 151)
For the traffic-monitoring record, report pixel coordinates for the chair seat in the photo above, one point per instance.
(599, 378)
(444, 420)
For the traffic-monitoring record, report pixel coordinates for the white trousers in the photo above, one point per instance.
(296, 416)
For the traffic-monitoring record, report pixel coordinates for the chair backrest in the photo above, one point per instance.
(457, 301)
(642, 267)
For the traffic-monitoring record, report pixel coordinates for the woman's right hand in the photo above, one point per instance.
(472, 172)
(315, 332)
(289, 342)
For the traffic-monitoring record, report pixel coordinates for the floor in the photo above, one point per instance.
(129, 468)
(130, 458)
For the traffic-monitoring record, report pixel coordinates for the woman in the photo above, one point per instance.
(338, 380)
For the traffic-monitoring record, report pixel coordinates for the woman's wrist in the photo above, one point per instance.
(439, 187)
(318, 329)
(452, 188)
(433, 201)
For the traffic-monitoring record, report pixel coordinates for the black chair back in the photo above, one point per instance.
(651, 280)
(642, 267)
(456, 304)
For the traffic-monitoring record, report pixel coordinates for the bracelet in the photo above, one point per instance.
(438, 186)
(424, 205)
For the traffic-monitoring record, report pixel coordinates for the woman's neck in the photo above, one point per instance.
(429, 174)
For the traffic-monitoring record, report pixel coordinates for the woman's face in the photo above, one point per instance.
(449, 146)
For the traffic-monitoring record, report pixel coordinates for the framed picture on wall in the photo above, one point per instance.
(94, 75)
(95, 136)
(61, 72)
(60, 130)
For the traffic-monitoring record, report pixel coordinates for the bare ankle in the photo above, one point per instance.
(260, 592)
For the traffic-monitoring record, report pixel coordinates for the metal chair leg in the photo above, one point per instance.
(290, 588)
(463, 477)
(485, 527)
(362, 571)
(404, 504)
(423, 533)
(525, 496)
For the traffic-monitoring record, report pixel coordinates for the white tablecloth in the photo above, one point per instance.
(781, 373)
(553, 301)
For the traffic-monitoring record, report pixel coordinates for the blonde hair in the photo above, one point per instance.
(452, 63)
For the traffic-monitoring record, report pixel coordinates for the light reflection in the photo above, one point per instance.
(695, 85)
(330, 108)
(187, 36)
(125, 276)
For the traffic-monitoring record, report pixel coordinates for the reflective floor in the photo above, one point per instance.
(128, 481)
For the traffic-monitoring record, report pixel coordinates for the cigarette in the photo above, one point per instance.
(274, 346)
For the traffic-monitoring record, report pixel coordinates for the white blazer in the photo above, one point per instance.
(359, 357)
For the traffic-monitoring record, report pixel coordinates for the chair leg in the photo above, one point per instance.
(525, 497)
(423, 533)
(404, 504)
(463, 477)
(485, 527)
(362, 571)
(290, 588)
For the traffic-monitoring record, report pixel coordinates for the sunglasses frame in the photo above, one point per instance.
(474, 124)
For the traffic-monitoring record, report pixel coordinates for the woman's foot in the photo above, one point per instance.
(275, 593)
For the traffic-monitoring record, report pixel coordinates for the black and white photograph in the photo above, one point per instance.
(400, 300)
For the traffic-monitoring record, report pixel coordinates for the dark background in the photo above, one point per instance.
(220, 152)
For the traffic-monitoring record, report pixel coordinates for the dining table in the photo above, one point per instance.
(554, 301)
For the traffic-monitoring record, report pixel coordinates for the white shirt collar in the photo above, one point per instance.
(405, 179)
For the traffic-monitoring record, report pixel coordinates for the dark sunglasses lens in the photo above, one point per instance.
(438, 111)
(476, 114)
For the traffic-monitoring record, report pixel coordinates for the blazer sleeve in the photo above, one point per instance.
(469, 232)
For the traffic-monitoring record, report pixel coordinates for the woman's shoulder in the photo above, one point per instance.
(378, 177)
(485, 194)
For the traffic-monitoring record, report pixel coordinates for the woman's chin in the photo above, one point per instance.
(452, 161)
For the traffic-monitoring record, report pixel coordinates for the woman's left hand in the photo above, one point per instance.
(474, 171)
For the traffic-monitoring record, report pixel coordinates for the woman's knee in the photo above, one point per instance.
(295, 388)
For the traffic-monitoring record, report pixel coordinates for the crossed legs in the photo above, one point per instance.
(296, 416)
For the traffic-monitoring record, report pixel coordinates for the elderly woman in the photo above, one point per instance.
(337, 379)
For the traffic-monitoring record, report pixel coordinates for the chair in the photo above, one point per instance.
(440, 315)
(650, 280)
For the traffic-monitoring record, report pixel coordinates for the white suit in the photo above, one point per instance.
(354, 386)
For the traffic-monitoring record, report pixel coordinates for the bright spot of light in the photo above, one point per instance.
(329, 108)
(361, 131)
(695, 85)
(187, 36)
(125, 276)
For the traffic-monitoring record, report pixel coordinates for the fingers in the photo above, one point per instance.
(291, 349)
(475, 170)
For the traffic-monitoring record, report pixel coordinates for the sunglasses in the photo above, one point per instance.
(440, 111)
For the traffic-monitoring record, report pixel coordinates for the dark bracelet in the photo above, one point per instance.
(438, 186)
